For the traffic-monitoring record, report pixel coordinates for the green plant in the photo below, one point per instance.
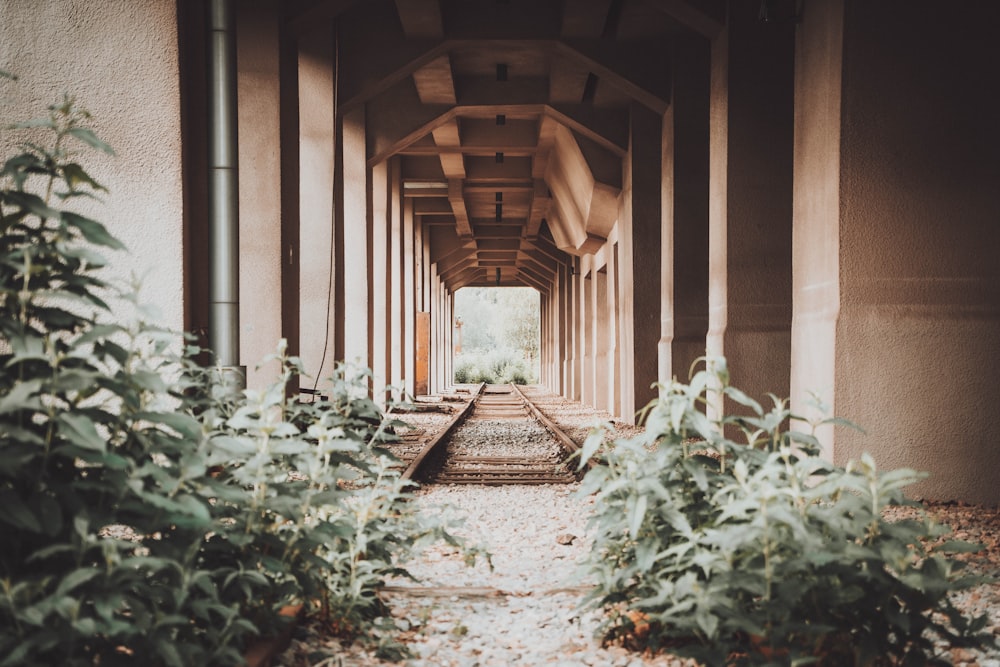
(311, 500)
(150, 514)
(495, 367)
(95, 456)
(762, 552)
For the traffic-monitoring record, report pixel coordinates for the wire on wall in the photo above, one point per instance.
(333, 258)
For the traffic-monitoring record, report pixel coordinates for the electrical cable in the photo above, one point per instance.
(333, 236)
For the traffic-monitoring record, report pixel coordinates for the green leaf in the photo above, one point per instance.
(81, 431)
(14, 512)
(637, 515)
(75, 579)
(88, 137)
(93, 231)
(185, 425)
(590, 447)
(234, 446)
(743, 399)
(75, 176)
(33, 204)
(46, 122)
(22, 396)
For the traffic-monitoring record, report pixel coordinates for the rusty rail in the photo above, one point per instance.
(509, 403)
(567, 443)
(435, 443)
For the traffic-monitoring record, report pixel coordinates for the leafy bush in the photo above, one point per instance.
(148, 513)
(762, 553)
(496, 367)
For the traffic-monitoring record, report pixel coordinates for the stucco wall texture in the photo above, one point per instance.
(118, 58)
(919, 326)
(897, 281)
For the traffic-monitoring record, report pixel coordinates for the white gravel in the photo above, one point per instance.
(525, 611)
(503, 437)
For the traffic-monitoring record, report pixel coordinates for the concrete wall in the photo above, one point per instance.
(751, 214)
(317, 139)
(260, 179)
(897, 295)
(119, 59)
(919, 327)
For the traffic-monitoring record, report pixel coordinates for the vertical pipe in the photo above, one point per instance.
(224, 277)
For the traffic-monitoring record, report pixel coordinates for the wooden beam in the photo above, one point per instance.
(420, 18)
(689, 17)
(319, 15)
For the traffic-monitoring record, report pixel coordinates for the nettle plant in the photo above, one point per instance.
(760, 552)
(149, 515)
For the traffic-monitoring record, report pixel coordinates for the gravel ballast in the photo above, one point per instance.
(525, 611)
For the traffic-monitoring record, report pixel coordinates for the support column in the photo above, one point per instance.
(562, 317)
(750, 282)
(686, 258)
(587, 329)
(379, 286)
(352, 226)
(261, 266)
(612, 370)
(897, 292)
(574, 392)
(395, 276)
(601, 339)
(545, 340)
(640, 228)
(409, 300)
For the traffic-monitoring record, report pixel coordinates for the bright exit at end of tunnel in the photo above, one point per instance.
(497, 335)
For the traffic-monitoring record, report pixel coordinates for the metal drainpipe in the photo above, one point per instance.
(223, 200)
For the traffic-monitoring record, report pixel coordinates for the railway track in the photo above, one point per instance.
(497, 437)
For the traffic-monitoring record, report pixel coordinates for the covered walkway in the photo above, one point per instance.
(808, 187)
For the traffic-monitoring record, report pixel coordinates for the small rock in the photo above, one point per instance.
(566, 538)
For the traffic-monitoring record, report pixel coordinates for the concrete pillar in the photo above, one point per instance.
(686, 258)
(547, 339)
(612, 368)
(562, 318)
(259, 105)
(587, 329)
(640, 224)
(602, 321)
(352, 228)
(395, 276)
(897, 292)
(751, 197)
(378, 284)
(574, 391)
(434, 356)
(437, 333)
(409, 299)
(449, 304)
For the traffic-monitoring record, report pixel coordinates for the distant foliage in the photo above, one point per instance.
(499, 367)
(761, 552)
(149, 515)
(499, 318)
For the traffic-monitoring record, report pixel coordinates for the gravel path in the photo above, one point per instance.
(524, 612)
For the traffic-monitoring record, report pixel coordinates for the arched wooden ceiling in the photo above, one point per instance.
(510, 117)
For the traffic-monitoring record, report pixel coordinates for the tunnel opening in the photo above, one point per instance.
(497, 336)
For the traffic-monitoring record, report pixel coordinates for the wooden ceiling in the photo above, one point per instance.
(510, 117)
